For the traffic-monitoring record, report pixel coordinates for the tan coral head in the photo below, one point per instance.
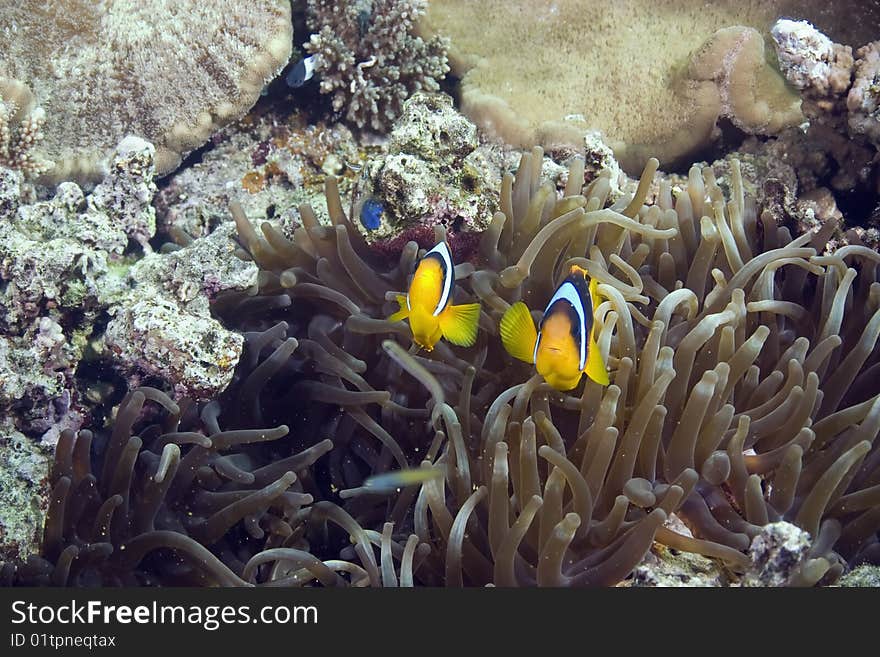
(170, 71)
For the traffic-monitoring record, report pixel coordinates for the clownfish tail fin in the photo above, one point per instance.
(459, 323)
(518, 332)
(403, 313)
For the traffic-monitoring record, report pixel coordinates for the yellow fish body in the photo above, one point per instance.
(427, 306)
(563, 347)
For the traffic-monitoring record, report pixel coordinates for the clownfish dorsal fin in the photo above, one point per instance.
(518, 333)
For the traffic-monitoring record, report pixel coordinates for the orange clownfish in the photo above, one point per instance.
(563, 347)
(427, 306)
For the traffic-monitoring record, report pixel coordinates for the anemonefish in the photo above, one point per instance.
(427, 306)
(563, 347)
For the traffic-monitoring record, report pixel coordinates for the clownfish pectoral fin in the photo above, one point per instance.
(459, 323)
(594, 293)
(403, 313)
(518, 332)
(595, 368)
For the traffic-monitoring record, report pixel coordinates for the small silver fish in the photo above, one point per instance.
(301, 72)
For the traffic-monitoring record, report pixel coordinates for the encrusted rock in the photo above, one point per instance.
(663, 567)
(152, 338)
(67, 267)
(24, 493)
(10, 192)
(777, 553)
(863, 101)
(161, 323)
(36, 380)
(434, 172)
(809, 60)
(270, 166)
(863, 576)
(126, 194)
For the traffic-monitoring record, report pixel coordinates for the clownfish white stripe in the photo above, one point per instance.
(441, 251)
(568, 292)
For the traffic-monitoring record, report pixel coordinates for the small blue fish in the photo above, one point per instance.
(371, 214)
(301, 72)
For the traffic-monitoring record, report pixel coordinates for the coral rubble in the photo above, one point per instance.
(434, 172)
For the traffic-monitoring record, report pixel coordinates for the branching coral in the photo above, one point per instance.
(371, 58)
(743, 392)
(21, 127)
(169, 71)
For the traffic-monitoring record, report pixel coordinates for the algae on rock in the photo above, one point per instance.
(24, 491)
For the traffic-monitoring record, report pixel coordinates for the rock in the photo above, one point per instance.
(434, 172)
(863, 576)
(24, 493)
(777, 553)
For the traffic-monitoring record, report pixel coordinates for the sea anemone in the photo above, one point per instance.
(743, 369)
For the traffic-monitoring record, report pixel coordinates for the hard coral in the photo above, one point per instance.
(371, 58)
(170, 71)
(567, 82)
(21, 127)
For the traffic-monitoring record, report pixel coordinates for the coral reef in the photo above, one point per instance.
(569, 81)
(839, 100)
(71, 293)
(37, 371)
(863, 100)
(810, 61)
(161, 326)
(169, 71)
(434, 172)
(743, 404)
(20, 130)
(271, 164)
(24, 473)
(371, 58)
